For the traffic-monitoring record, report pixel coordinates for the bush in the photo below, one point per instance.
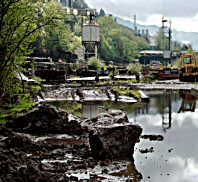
(96, 63)
(178, 63)
(134, 68)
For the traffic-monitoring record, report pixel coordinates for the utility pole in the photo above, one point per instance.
(135, 24)
(166, 33)
(170, 39)
(163, 33)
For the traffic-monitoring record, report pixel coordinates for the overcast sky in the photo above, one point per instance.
(182, 13)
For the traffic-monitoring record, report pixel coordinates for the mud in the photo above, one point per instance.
(46, 154)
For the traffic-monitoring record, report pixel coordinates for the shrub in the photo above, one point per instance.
(134, 68)
(96, 63)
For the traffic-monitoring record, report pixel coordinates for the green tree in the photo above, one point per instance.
(20, 22)
(96, 63)
(118, 43)
(158, 40)
(134, 69)
(58, 40)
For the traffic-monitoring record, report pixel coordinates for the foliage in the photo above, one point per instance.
(190, 51)
(57, 40)
(96, 63)
(149, 78)
(74, 108)
(158, 40)
(118, 43)
(178, 63)
(134, 68)
(176, 46)
(20, 22)
(128, 92)
(24, 104)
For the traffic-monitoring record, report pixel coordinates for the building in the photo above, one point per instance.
(151, 56)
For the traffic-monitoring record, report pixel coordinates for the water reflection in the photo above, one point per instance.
(174, 159)
(165, 104)
(188, 101)
(170, 114)
(90, 110)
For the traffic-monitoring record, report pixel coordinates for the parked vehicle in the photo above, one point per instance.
(189, 70)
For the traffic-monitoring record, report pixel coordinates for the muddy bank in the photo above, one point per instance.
(46, 119)
(26, 157)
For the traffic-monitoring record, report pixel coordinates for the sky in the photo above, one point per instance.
(182, 13)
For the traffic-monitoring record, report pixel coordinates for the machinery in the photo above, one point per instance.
(189, 70)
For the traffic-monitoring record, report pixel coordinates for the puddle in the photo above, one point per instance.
(174, 158)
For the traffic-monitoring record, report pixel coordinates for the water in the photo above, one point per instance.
(174, 159)
(174, 115)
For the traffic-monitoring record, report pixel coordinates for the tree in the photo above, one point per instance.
(117, 42)
(57, 41)
(102, 12)
(96, 63)
(21, 22)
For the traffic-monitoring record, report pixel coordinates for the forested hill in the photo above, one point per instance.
(179, 36)
(119, 43)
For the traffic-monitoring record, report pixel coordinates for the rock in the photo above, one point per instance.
(147, 150)
(153, 137)
(111, 136)
(46, 119)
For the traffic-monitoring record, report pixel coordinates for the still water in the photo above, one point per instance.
(175, 159)
(173, 115)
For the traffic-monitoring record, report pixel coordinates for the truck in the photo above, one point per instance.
(189, 68)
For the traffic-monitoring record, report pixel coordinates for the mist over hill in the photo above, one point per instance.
(179, 36)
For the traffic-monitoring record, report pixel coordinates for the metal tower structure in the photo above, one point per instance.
(166, 35)
(91, 37)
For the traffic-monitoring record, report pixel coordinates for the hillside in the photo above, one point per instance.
(179, 36)
(118, 43)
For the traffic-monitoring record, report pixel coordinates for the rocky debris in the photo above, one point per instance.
(111, 135)
(153, 137)
(16, 162)
(46, 119)
(28, 158)
(24, 160)
(170, 150)
(147, 150)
